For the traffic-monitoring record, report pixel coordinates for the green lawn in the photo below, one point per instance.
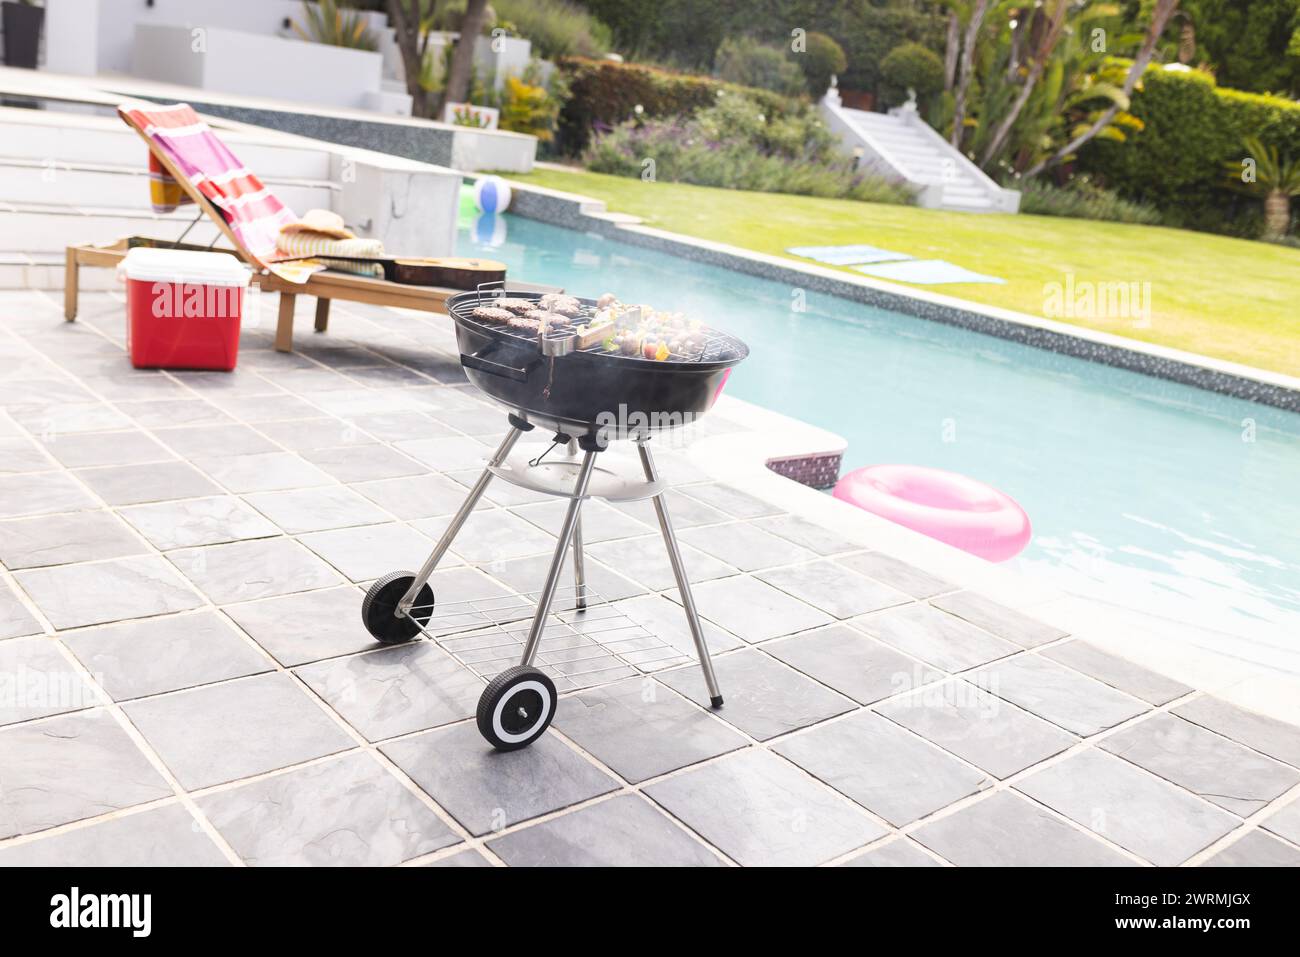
(1221, 297)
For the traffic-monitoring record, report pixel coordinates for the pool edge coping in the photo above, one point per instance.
(575, 211)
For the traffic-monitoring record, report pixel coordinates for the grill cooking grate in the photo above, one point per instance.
(718, 346)
(579, 648)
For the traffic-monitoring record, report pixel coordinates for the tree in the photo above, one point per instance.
(951, 46)
(1277, 177)
(974, 21)
(1160, 14)
(462, 58)
(411, 25)
(1049, 37)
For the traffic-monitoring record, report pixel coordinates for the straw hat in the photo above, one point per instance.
(321, 221)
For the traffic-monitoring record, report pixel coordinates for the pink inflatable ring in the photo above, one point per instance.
(953, 508)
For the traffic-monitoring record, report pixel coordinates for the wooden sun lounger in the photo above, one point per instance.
(325, 286)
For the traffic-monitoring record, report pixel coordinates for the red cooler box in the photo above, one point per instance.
(183, 308)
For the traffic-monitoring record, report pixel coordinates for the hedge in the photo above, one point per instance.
(1192, 128)
(605, 93)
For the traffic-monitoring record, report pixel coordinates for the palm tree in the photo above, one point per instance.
(1161, 12)
(974, 22)
(1277, 177)
(1039, 56)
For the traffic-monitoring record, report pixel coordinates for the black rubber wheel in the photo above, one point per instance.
(516, 708)
(377, 610)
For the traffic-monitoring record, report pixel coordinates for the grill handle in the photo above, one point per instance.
(480, 364)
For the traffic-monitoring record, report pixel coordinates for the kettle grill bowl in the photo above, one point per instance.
(586, 391)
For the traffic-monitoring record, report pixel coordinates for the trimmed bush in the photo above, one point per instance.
(556, 27)
(1191, 129)
(603, 94)
(749, 63)
(868, 33)
(911, 65)
(735, 146)
(1082, 199)
(821, 59)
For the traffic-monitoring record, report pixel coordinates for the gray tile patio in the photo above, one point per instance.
(90, 594)
(15, 619)
(998, 619)
(624, 831)
(197, 521)
(832, 588)
(1286, 822)
(642, 730)
(1256, 849)
(95, 768)
(242, 571)
(166, 836)
(899, 853)
(1059, 694)
(1005, 830)
(978, 727)
(308, 626)
(1137, 810)
(745, 546)
(935, 637)
(1267, 735)
(755, 610)
(852, 663)
(224, 732)
(759, 809)
(896, 573)
(316, 509)
(888, 770)
(1218, 769)
(487, 790)
(397, 690)
(60, 539)
(156, 482)
(764, 698)
(344, 812)
(1127, 677)
(173, 542)
(365, 552)
(37, 681)
(152, 656)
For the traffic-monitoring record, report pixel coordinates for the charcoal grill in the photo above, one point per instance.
(588, 397)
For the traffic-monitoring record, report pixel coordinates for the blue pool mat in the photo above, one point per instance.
(846, 255)
(926, 272)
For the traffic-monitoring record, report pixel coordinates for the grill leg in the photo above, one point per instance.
(457, 521)
(579, 572)
(579, 569)
(557, 560)
(683, 583)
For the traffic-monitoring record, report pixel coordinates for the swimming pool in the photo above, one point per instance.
(1178, 505)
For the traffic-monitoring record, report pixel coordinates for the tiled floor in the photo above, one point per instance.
(184, 678)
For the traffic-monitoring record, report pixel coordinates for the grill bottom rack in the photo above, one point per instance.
(583, 643)
(560, 638)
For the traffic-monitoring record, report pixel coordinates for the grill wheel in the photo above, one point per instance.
(516, 708)
(381, 601)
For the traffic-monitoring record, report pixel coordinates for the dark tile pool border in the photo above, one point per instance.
(582, 213)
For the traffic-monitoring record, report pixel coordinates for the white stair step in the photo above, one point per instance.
(108, 144)
(27, 181)
(37, 232)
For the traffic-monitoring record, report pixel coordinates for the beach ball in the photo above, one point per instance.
(489, 230)
(492, 194)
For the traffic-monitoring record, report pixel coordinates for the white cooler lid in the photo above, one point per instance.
(184, 265)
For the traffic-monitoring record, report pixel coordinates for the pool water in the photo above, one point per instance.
(1176, 504)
